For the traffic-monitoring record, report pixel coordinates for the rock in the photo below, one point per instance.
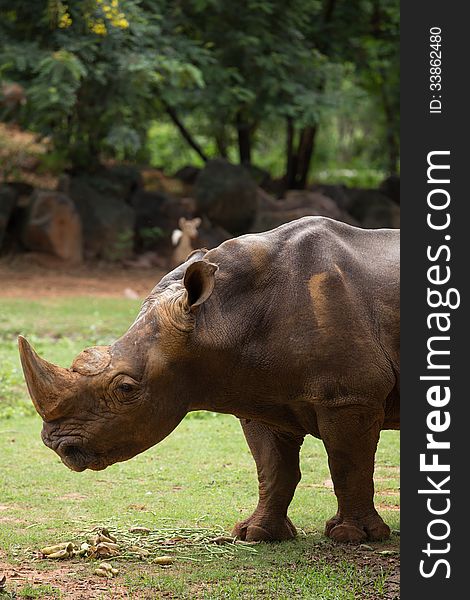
(8, 198)
(320, 203)
(210, 236)
(227, 195)
(21, 188)
(373, 209)
(391, 187)
(267, 202)
(338, 193)
(108, 222)
(157, 215)
(156, 181)
(187, 174)
(271, 219)
(121, 181)
(127, 178)
(261, 177)
(53, 226)
(149, 209)
(296, 204)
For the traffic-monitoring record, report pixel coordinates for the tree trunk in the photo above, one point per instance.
(244, 141)
(291, 158)
(222, 143)
(306, 145)
(298, 162)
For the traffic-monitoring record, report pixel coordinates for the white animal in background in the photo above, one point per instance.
(182, 238)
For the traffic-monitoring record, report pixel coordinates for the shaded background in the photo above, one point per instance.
(120, 117)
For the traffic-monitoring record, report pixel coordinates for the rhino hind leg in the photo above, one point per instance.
(277, 462)
(350, 435)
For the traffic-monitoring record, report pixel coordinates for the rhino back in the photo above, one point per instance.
(314, 301)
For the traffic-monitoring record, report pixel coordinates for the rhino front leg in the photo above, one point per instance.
(277, 462)
(350, 435)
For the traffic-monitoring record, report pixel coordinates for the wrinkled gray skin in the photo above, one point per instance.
(295, 331)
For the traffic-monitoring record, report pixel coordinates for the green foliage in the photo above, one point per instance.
(92, 77)
(102, 76)
(150, 235)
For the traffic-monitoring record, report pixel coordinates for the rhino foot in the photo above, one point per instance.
(264, 529)
(355, 531)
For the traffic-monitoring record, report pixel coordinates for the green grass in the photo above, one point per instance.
(59, 329)
(201, 475)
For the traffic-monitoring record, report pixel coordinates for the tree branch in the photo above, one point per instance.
(184, 132)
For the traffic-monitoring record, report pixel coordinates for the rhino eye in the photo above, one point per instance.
(126, 388)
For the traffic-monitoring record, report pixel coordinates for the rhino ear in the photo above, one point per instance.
(199, 281)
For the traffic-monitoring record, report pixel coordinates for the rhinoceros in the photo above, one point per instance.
(295, 331)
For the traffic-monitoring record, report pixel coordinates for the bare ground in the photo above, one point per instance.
(72, 580)
(75, 582)
(32, 276)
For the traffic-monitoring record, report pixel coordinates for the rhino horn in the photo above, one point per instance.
(48, 384)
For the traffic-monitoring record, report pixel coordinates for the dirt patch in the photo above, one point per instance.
(21, 278)
(392, 507)
(387, 492)
(11, 520)
(4, 507)
(373, 561)
(73, 496)
(73, 582)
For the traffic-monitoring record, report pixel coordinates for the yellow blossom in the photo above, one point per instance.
(99, 28)
(65, 21)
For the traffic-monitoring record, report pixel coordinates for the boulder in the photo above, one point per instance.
(22, 189)
(8, 198)
(118, 180)
(187, 177)
(272, 219)
(53, 226)
(227, 195)
(107, 221)
(321, 204)
(157, 215)
(210, 236)
(296, 204)
(373, 209)
(391, 188)
(187, 174)
(338, 193)
(155, 180)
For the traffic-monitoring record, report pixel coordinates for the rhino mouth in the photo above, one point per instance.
(73, 457)
(73, 454)
(77, 459)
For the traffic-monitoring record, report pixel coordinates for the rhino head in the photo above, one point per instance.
(119, 400)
